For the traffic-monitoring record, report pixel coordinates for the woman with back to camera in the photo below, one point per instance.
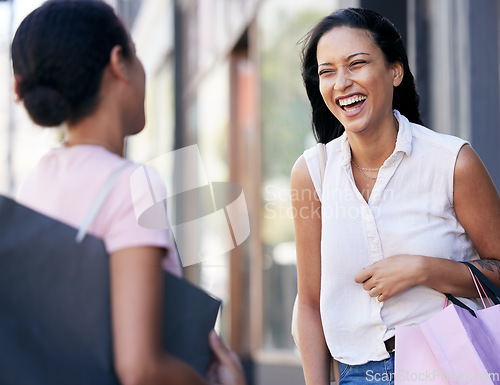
(401, 205)
(75, 63)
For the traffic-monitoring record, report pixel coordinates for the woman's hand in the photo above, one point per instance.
(226, 368)
(390, 276)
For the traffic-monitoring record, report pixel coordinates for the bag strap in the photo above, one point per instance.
(96, 205)
(480, 291)
(455, 301)
(492, 291)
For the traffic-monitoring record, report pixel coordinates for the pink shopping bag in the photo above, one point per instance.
(415, 362)
(457, 346)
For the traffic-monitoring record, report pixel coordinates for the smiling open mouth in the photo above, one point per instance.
(351, 103)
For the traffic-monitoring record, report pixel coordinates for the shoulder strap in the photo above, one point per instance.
(322, 161)
(96, 205)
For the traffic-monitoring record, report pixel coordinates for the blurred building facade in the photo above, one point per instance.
(225, 74)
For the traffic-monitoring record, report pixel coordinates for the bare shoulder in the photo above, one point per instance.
(471, 175)
(477, 203)
(303, 191)
(300, 177)
(468, 162)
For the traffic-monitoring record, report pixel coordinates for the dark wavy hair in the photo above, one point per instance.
(405, 99)
(59, 53)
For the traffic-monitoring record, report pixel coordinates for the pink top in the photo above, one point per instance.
(65, 184)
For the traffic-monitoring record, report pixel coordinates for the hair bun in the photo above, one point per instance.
(46, 106)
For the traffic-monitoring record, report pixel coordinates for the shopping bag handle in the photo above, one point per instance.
(455, 301)
(492, 291)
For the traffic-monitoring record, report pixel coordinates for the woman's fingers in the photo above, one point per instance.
(221, 351)
(226, 369)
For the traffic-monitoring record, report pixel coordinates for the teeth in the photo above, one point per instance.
(354, 99)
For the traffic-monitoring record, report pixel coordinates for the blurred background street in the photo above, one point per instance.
(225, 74)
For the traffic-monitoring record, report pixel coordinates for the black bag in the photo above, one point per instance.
(55, 325)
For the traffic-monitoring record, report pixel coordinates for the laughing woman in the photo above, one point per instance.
(401, 205)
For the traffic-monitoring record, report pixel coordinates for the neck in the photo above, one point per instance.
(97, 129)
(72, 141)
(371, 149)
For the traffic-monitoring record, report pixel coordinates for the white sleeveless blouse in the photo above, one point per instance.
(410, 211)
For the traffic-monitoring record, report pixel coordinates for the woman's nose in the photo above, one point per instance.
(343, 80)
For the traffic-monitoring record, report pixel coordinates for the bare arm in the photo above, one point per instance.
(136, 290)
(313, 350)
(477, 206)
(136, 305)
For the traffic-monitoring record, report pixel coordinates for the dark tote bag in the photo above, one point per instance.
(55, 325)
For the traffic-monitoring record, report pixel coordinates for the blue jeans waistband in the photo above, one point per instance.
(373, 372)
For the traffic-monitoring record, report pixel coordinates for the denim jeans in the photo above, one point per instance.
(373, 372)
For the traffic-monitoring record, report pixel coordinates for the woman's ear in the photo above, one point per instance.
(398, 73)
(117, 63)
(17, 88)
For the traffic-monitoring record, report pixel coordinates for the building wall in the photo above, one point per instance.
(454, 53)
(484, 99)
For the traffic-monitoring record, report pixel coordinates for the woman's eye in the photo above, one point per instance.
(357, 63)
(324, 72)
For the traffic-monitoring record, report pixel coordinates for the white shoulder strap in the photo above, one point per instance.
(96, 206)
